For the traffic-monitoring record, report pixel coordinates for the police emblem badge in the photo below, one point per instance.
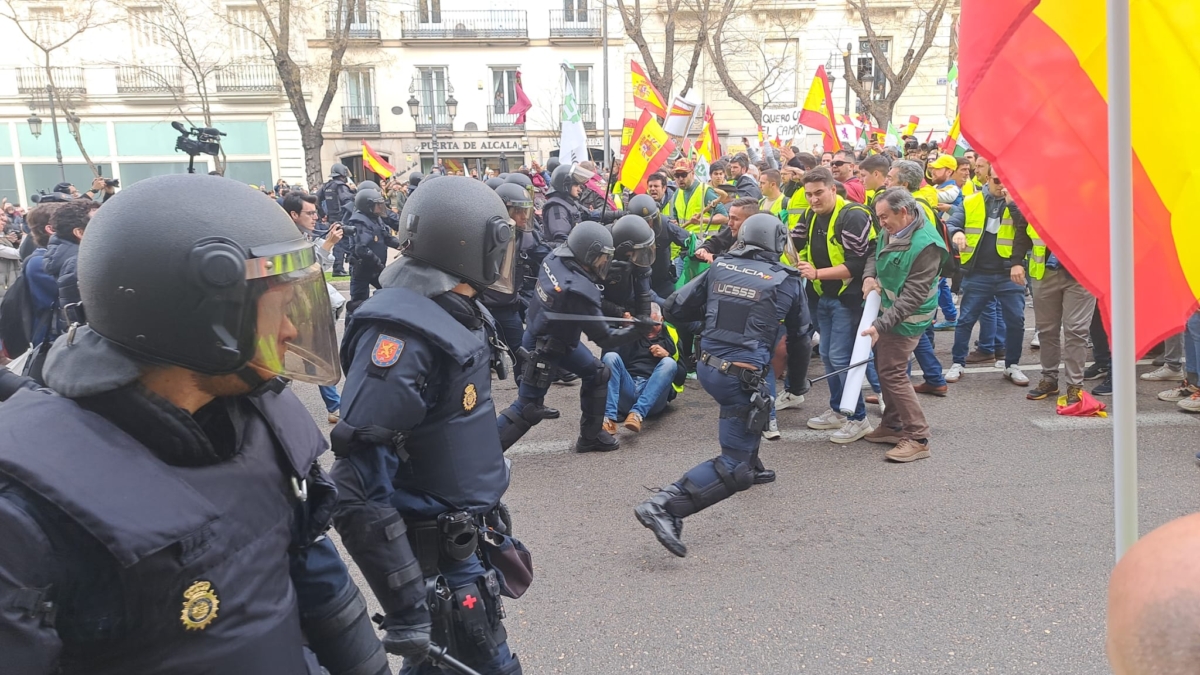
(200, 606)
(387, 351)
(470, 397)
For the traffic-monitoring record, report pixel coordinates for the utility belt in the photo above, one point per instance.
(453, 537)
(757, 413)
(539, 366)
(750, 378)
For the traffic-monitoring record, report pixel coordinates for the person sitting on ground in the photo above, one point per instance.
(645, 377)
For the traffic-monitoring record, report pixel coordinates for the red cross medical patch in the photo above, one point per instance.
(387, 351)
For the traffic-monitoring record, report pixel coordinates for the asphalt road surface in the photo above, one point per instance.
(992, 556)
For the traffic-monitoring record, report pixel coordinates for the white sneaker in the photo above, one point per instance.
(771, 433)
(1164, 374)
(1177, 394)
(1000, 364)
(788, 400)
(1035, 343)
(1013, 374)
(955, 372)
(1190, 404)
(827, 420)
(852, 431)
(816, 339)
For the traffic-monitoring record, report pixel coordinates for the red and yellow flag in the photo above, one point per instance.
(951, 141)
(818, 109)
(645, 95)
(627, 134)
(648, 151)
(709, 146)
(1033, 100)
(911, 129)
(373, 162)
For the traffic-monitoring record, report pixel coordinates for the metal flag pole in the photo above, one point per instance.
(604, 41)
(1121, 291)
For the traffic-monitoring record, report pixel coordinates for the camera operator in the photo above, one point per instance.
(102, 189)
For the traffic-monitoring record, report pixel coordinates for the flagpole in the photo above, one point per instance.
(604, 41)
(1120, 247)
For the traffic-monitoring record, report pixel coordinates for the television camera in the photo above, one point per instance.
(197, 141)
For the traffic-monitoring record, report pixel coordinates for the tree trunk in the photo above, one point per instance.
(312, 139)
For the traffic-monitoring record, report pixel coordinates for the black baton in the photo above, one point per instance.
(439, 658)
(826, 376)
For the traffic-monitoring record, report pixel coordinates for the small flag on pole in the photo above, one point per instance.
(645, 95)
(373, 162)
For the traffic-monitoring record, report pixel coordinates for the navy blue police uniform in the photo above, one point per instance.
(560, 215)
(418, 455)
(508, 309)
(335, 204)
(369, 252)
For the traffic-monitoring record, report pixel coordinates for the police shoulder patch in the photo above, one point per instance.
(387, 350)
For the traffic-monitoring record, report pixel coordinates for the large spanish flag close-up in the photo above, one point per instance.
(1033, 99)
(817, 112)
(645, 95)
(648, 150)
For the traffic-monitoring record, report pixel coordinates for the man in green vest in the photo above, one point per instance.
(908, 259)
(1062, 310)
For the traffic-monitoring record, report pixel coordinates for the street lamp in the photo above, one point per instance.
(35, 129)
(414, 107)
(35, 125)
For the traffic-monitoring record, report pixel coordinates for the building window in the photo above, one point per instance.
(433, 94)
(581, 81)
(429, 11)
(504, 88)
(246, 26)
(359, 89)
(869, 74)
(48, 24)
(145, 27)
(575, 10)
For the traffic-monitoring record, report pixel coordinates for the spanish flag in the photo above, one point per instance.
(627, 134)
(818, 109)
(645, 95)
(648, 151)
(373, 162)
(1033, 87)
(709, 146)
(951, 141)
(911, 129)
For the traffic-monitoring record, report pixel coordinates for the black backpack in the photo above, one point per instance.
(18, 319)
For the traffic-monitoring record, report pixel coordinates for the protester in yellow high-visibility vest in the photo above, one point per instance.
(992, 265)
(834, 238)
(772, 200)
(692, 198)
(645, 377)
(1060, 305)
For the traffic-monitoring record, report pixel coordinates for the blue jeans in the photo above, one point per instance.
(1191, 346)
(645, 396)
(946, 301)
(928, 360)
(979, 290)
(329, 394)
(991, 324)
(837, 324)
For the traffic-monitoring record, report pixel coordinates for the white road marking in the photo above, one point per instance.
(1158, 419)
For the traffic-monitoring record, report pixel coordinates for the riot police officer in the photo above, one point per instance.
(561, 212)
(417, 449)
(627, 284)
(335, 204)
(163, 511)
(370, 239)
(666, 232)
(414, 179)
(566, 303)
(390, 217)
(742, 298)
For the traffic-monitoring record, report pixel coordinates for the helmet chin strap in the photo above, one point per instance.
(257, 383)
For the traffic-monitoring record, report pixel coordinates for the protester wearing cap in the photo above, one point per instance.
(942, 171)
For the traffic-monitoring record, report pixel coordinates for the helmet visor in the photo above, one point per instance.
(296, 337)
(580, 175)
(643, 254)
(501, 261)
(521, 213)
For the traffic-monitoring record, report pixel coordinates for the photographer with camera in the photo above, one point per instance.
(102, 189)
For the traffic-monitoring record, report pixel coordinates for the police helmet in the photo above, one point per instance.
(431, 176)
(633, 240)
(494, 182)
(370, 184)
(764, 232)
(519, 179)
(519, 203)
(366, 199)
(552, 164)
(502, 176)
(647, 208)
(208, 293)
(462, 228)
(339, 169)
(591, 244)
(567, 176)
(414, 178)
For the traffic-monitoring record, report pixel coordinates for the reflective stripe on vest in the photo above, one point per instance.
(674, 335)
(1037, 255)
(837, 254)
(975, 223)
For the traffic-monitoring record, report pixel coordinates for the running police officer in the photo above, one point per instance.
(627, 284)
(562, 212)
(417, 446)
(163, 511)
(335, 204)
(742, 298)
(370, 239)
(666, 232)
(567, 301)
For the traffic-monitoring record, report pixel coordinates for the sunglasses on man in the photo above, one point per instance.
(839, 163)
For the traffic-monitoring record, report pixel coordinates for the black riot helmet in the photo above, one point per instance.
(764, 232)
(519, 179)
(235, 290)
(369, 184)
(520, 205)
(647, 208)
(552, 164)
(494, 182)
(366, 199)
(459, 226)
(591, 245)
(633, 240)
(339, 169)
(431, 176)
(414, 179)
(567, 176)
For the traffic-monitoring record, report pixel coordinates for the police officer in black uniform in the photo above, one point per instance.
(562, 212)
(742, 298)
(627, 284)
(390, 217)
(569, 286)
(666, 232)
(370, 239)
(335, 204)
(417, 448)
(161, 509)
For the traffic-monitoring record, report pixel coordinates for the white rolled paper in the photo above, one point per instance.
(862, 351)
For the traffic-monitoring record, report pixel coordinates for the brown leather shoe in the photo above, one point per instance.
(926, 388)
(882, 434)
(633, 422)
(609, 426)
(978, 356)
(908, 450)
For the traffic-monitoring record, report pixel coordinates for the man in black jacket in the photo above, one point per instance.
(723, 240)
(644, 376)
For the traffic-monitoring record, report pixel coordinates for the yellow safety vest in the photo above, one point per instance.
(976, 221)
(837, 254)
(969, 188)
(796, 207)
(674, 335)
(1037, 256)
(771, 208)
(686, 207)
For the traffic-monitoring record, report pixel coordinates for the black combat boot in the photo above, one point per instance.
(761, 473)
(603, 442)
(653, 514)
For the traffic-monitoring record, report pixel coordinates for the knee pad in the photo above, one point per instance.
(594, 394)
(343, 638)
(695, 498)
